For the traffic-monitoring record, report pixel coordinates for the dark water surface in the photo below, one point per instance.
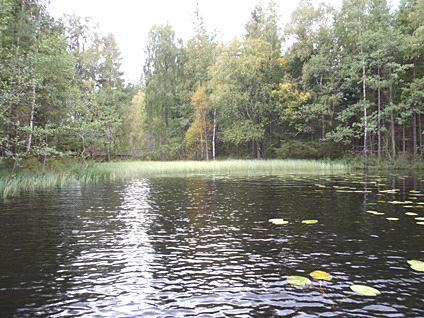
(202, 246)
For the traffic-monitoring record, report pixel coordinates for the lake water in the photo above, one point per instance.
(202, 246)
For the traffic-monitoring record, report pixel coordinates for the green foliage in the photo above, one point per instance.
(292, 149)
(350, 80)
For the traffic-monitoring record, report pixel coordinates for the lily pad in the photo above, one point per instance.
(392, 219)
(309, 221)
(365, 290)
(321, 275)
(278, 221)
(416, 265)
(298, 280)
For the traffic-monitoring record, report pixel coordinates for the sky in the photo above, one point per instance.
(130, 20)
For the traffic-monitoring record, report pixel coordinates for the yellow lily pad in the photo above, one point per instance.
(309, 221)
(321, 275)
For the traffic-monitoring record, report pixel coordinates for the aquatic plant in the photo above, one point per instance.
(298, 280)
(416, 265)
(365, 290)
(29, 181)
(320, 275)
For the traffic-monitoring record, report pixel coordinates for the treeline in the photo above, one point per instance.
(61, 90)
(331, 83)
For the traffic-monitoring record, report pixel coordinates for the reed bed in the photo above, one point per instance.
(14, 184)
(217, 167)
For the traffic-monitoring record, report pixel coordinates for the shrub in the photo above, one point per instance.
(294, 149)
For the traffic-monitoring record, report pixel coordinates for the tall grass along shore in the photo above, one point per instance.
(30, 181)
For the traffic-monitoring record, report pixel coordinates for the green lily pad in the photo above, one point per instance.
(309, 221)
(416, 265)
(392, 219)
(365, 290)
(278, 221)
(298, 280)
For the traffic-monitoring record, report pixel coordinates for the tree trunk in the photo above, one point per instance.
(258, 150)
(379, 119)
(214, 134)
(206, 137)
(107, 152)
(414, 135)
(365, 108)
(403, 140)
(322, 115)
(392, 133)
(201, 144)
(392, 124)
(420, 134)
(31, 119)
(83, 147)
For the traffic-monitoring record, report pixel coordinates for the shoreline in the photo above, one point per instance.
(67, 172)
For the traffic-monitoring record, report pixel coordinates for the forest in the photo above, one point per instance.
(329, 83)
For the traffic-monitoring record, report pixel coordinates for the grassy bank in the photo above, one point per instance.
(376, 164)
(30, 180)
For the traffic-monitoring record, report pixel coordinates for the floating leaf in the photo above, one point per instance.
(392, 219)
(321, 275)
(309, 221)
(298, 280)
(278, 221)
(416, 265)
(365, 290)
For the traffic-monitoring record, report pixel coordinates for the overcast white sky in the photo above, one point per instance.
(130, 20)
